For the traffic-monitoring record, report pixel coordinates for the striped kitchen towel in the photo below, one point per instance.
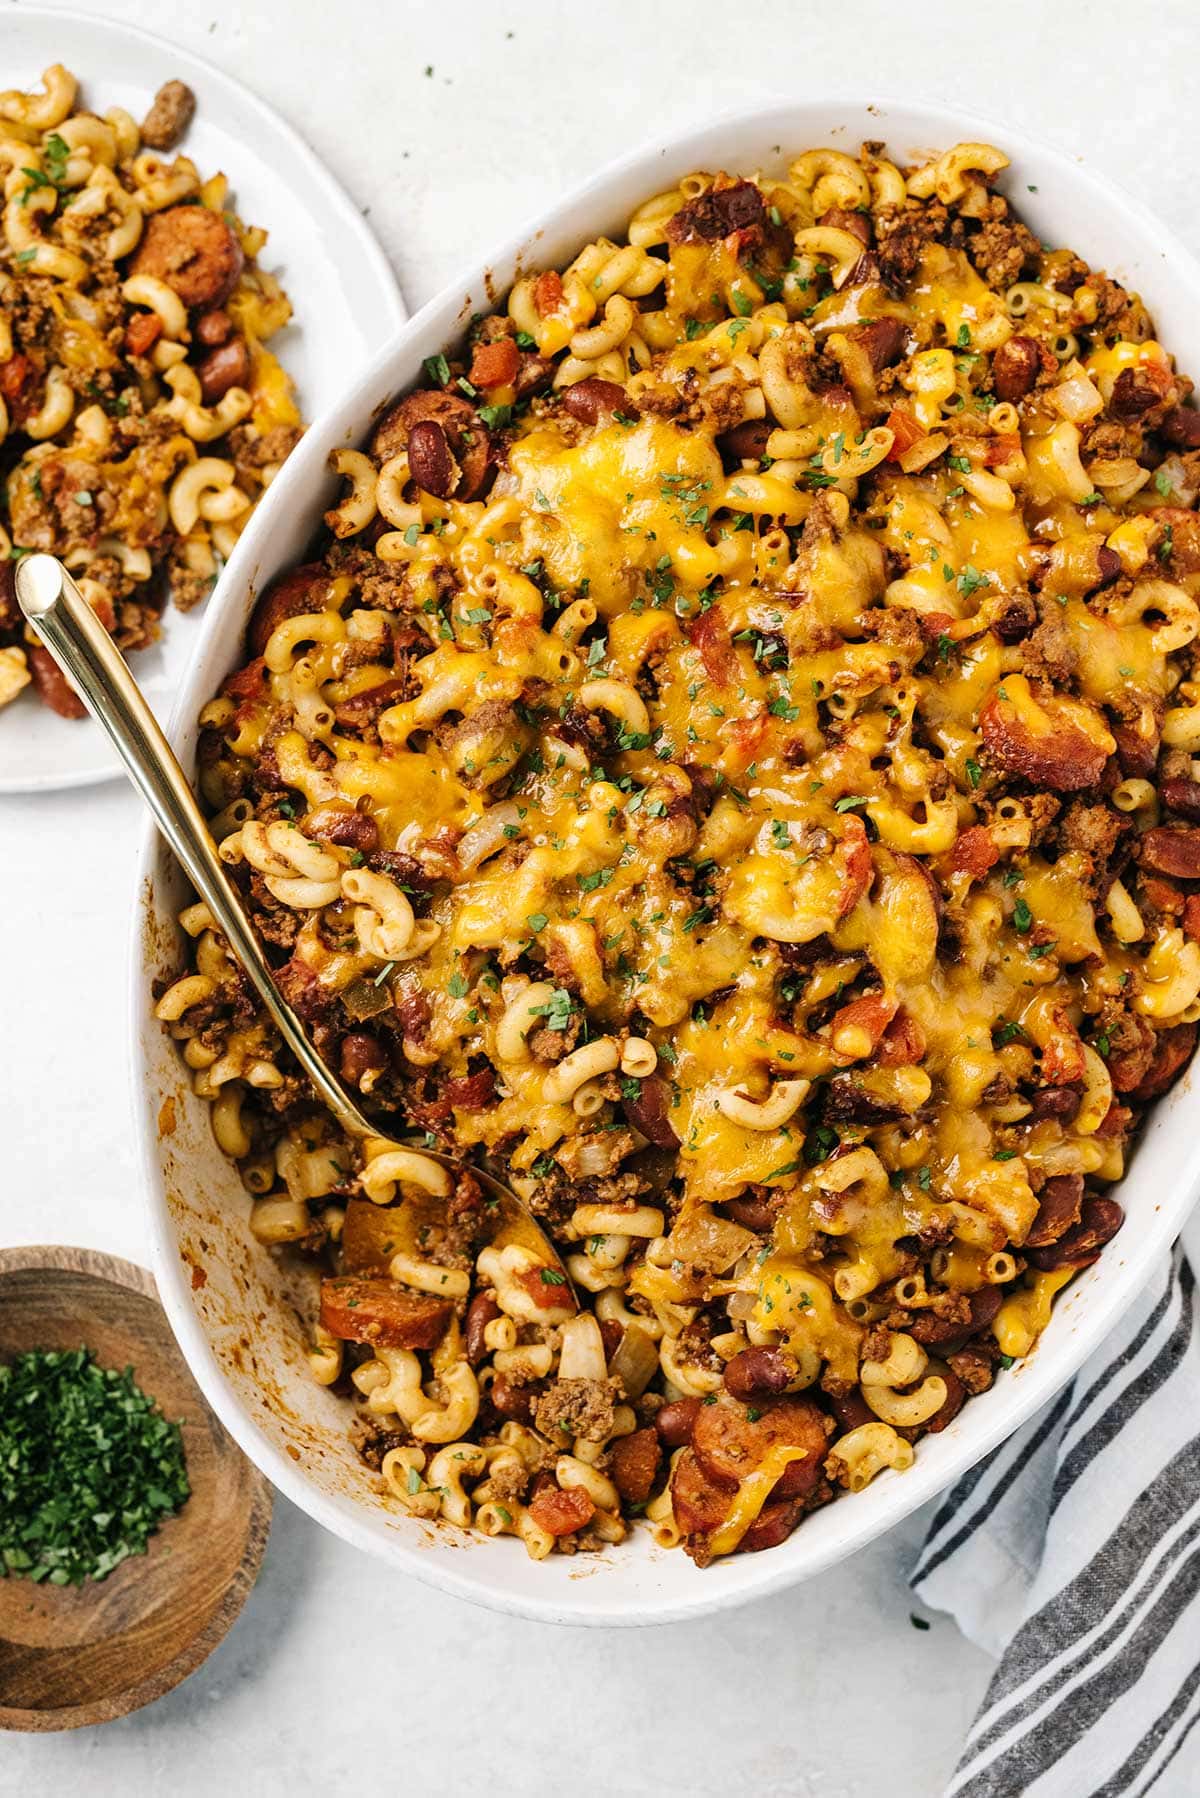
(1072, 1552)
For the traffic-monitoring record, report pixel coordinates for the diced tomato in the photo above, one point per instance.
(855, 850)
(548, 292)
(546, 1287)
(905, 432)
(561, 1513)
(710, 634)
(142, 333)
(974, 852)
(1004, 447)
(495, 364)
(871, 1014)
(903, 1042)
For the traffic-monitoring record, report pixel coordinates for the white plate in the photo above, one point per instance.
(344, 294)
(241, 1342)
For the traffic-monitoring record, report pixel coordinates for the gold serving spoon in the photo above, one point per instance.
(87, 655)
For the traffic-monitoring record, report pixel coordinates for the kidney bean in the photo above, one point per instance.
(482, 1311)
(594, 401)
(466, 436)
(429, 459)
(840, 218)
(851, 1409)
(225, 367)
(213, 328)
(746, 442)
(956, 1392)
(1171, 1053)
(773, 1525)
(513, 1402)
(717, 213)
(360, 1055)
(350, 830)
(1015, 368)
(1058, 1209)
(752, 1213)
(676, 1421)
(883, 340)
(1137, 755)
(51, 684)
(1182, 796)
(1081, 1245)
(759, 1373)
(635, 1463)
(1061, 1102)
(1132, 395)
(1181, 427)
(984, 1305)
(647, 1111)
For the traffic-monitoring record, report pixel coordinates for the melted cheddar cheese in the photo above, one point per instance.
(740, 695)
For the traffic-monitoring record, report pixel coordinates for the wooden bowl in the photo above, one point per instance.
(71, 1655)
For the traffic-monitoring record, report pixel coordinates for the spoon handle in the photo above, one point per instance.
(87, 655)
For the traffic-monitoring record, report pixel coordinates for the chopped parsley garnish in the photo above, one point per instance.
(1022, 917)
(89, 1467)
(438, 369)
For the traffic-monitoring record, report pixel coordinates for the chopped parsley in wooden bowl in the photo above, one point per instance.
(131, 1523)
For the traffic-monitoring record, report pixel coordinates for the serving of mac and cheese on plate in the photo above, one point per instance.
(141, 413)
(728, 765)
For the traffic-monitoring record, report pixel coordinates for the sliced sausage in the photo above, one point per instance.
(194, 251)
(883, 340)
(303, 589)
(1174, 852)
(1053, 741)
(700, 1505)
(773, 1525)
(730, 1440)
(466, 438)
(380, 1312)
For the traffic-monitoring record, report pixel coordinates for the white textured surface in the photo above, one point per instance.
(338, 1670)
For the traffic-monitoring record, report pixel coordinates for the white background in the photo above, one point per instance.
(453, 123)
